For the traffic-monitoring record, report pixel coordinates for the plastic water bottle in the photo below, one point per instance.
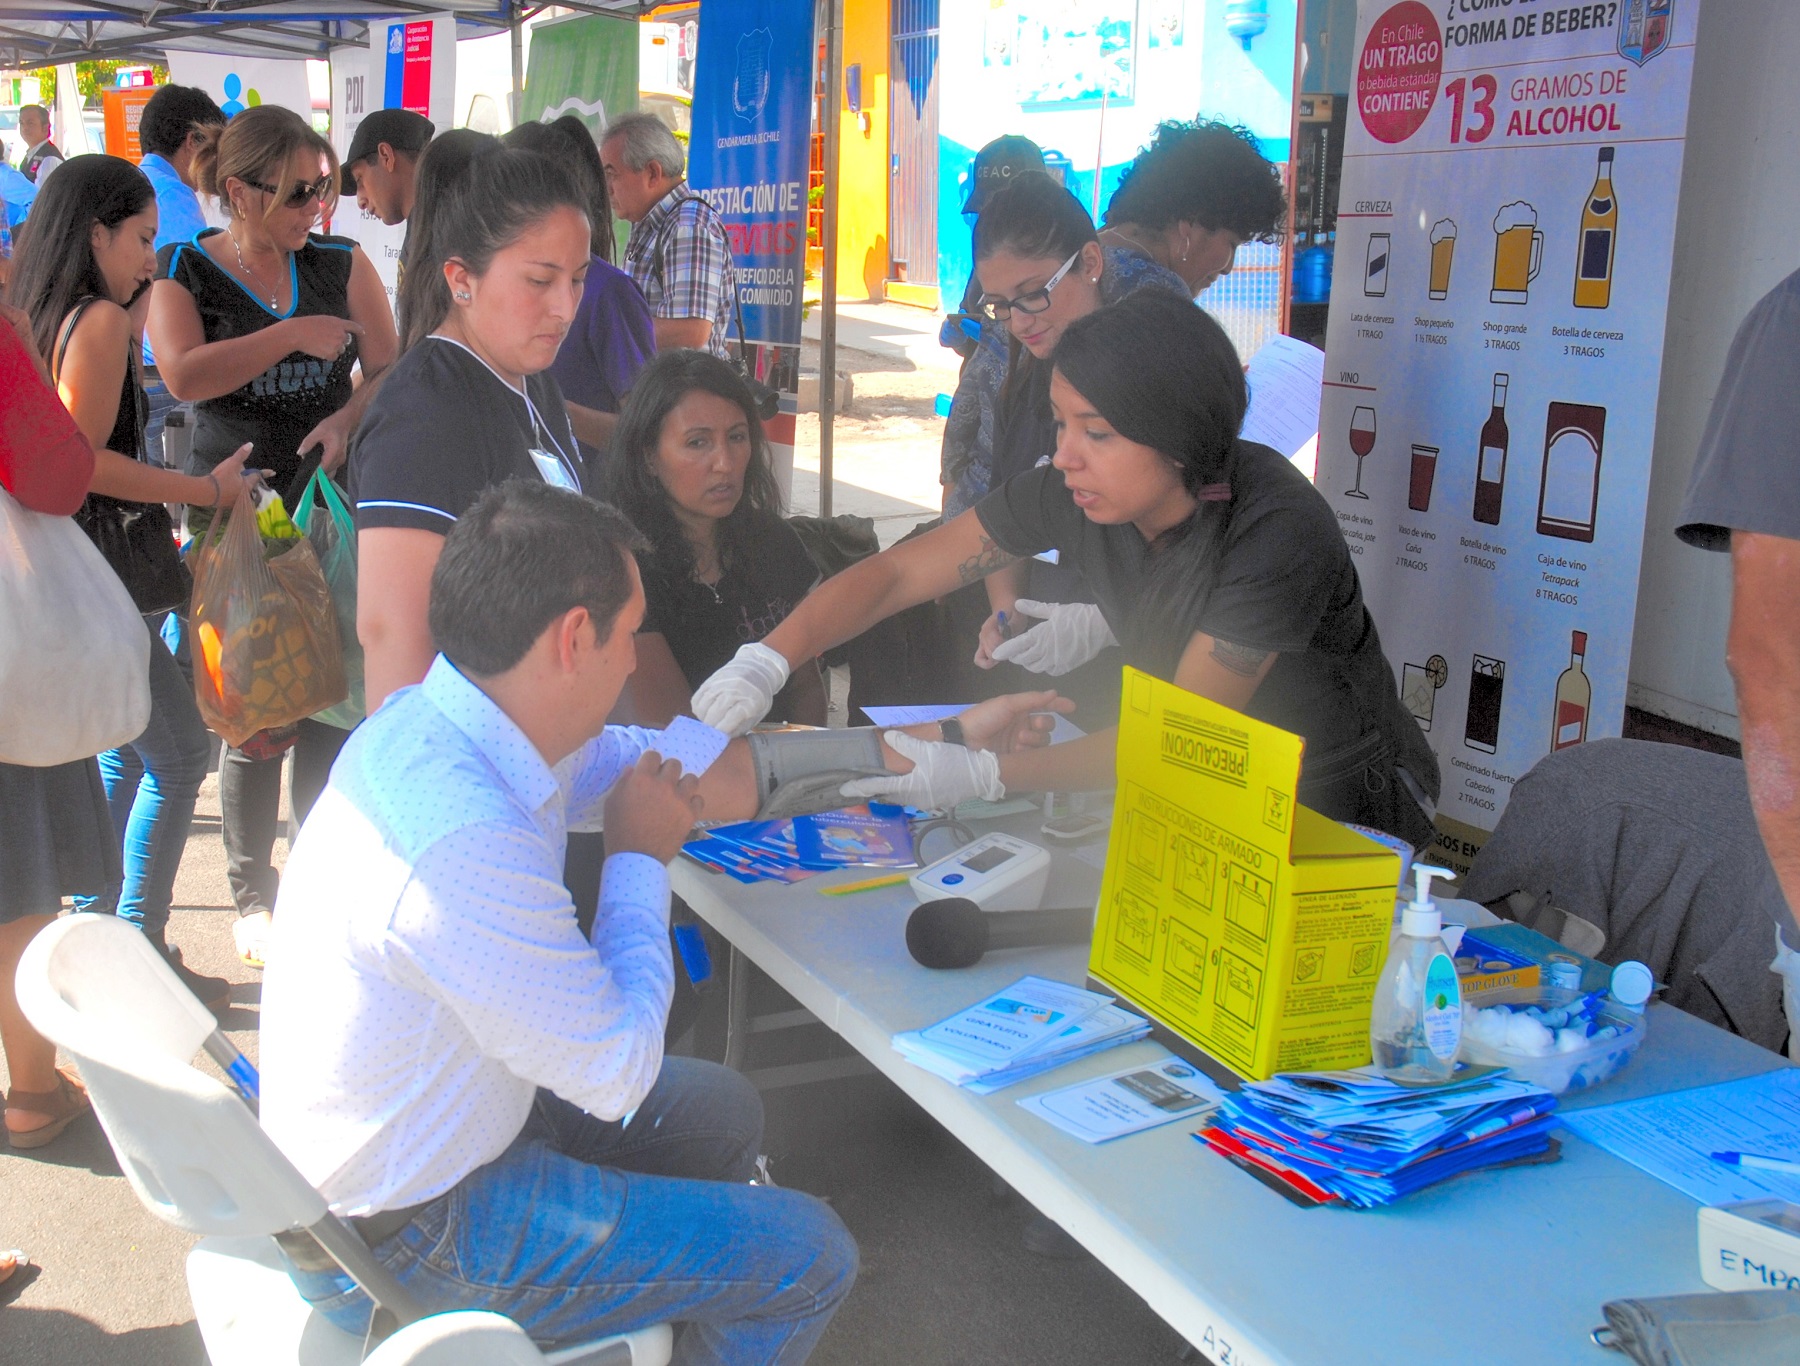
(1415, 1027)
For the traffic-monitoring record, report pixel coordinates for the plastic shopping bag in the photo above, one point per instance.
(325, 520)
(74, 653)
(266, 649)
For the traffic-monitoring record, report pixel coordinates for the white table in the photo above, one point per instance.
(1504, 1266)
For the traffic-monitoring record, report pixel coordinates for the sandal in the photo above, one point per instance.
(66, 1104)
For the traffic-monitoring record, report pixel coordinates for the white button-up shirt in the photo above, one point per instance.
(426, 972)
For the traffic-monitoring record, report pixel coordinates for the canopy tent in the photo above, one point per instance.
(47, 32)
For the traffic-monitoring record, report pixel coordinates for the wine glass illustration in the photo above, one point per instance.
(1362, 441)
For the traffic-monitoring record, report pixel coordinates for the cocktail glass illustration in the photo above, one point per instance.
(1362, 441)
(1518, 253)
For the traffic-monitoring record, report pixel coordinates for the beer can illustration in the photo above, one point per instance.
(1375, 265)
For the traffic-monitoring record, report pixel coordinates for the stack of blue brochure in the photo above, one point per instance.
(1027, 1028)
(1359, 1138)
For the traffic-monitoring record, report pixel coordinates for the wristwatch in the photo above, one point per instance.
(951, 732)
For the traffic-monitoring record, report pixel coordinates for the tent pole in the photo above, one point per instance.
(834, 78)
(517, 9)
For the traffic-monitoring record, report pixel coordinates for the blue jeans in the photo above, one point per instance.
(162, 403)
(151, 785)
(583, 1228)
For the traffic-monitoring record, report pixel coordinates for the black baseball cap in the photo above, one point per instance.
(400, 129)
(996, 165)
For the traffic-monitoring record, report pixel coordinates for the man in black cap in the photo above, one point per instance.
(382, 162)
(995, 165)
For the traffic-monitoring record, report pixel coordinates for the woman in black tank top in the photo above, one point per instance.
(86, 260)
(259, 325)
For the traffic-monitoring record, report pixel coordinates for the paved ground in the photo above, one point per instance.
(944, 1279)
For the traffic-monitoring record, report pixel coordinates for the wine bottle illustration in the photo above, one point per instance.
(1598, 239)
(1490, 470)
(1569, 496)
(1574, 694)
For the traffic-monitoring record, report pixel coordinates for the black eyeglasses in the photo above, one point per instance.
(1035, 302)
(301, 195)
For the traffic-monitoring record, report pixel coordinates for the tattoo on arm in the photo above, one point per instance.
(1242, 660)
(984, 561)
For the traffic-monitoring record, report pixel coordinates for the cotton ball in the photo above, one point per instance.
(1528, 1036)
(1487, 1026)
(1570, 1040)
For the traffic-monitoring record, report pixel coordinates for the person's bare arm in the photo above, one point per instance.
(1763, 651)
(1225, 672)
(591, 425)
(872, 590)
(195, 369)
(657, 691)
(691, 333)
(89, 381)
(806, 692)
(393, 591)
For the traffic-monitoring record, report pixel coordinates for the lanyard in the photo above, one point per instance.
(553, 464)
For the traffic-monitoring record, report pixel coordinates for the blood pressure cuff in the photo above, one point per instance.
(801, 771)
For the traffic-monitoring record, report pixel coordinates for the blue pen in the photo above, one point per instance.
(1758, 1163)
(1005, 630)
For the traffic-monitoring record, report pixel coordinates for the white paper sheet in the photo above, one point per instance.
(1128, 1101)
(917, 716)
(1672, 1136)
(1286, 378)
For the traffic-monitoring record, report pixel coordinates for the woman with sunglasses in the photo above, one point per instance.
(260, 323)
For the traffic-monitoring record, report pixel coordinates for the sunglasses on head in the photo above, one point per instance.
(301, 195)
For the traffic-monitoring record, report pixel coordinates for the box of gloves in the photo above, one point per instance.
(1248, 926)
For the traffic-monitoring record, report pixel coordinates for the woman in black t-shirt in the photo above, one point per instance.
(690, 467)
(1215, 563)
(494, 281)
(259, 324)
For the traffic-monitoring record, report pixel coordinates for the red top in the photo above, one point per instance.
(45, 461)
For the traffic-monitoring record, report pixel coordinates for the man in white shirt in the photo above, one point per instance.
(478, 1087)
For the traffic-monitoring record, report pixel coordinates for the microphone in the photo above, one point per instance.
(954, 932)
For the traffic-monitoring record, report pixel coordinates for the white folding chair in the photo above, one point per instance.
(197, 1158)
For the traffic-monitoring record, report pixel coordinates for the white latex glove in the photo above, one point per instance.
(942, 776)
(740, 693)
(1070, 634)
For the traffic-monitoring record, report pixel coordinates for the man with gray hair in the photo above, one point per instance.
(678, 253)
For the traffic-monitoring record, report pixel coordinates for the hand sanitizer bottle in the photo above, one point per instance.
(1416, 1026)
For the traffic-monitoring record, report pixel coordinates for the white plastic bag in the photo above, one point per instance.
(74, 653)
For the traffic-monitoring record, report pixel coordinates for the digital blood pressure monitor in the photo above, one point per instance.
(997, 872)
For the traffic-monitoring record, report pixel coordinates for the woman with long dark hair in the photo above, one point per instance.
(492, 288)
(260, 324)
(690, 467)
(1214, 561)
(612, 337)
(82, 272)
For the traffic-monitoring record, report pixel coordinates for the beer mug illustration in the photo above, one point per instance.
(1518, 253)
(1443, 253)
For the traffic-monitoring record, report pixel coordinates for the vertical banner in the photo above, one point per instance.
(413, 66)
(586, 66)
(1505, 232)
(749, 154)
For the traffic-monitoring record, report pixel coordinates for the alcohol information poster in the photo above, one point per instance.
(1506, 225)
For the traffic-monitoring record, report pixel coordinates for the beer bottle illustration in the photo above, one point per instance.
(1599, 239)
(1490, 471)
(1574, 694)
(1569, 496)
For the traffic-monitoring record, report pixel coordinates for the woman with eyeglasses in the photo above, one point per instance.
(1040, 268)
(260, 324)
(1213, 559)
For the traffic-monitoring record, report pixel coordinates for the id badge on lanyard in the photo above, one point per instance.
(551, 467)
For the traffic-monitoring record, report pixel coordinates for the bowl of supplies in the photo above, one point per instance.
(1555, 1037)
